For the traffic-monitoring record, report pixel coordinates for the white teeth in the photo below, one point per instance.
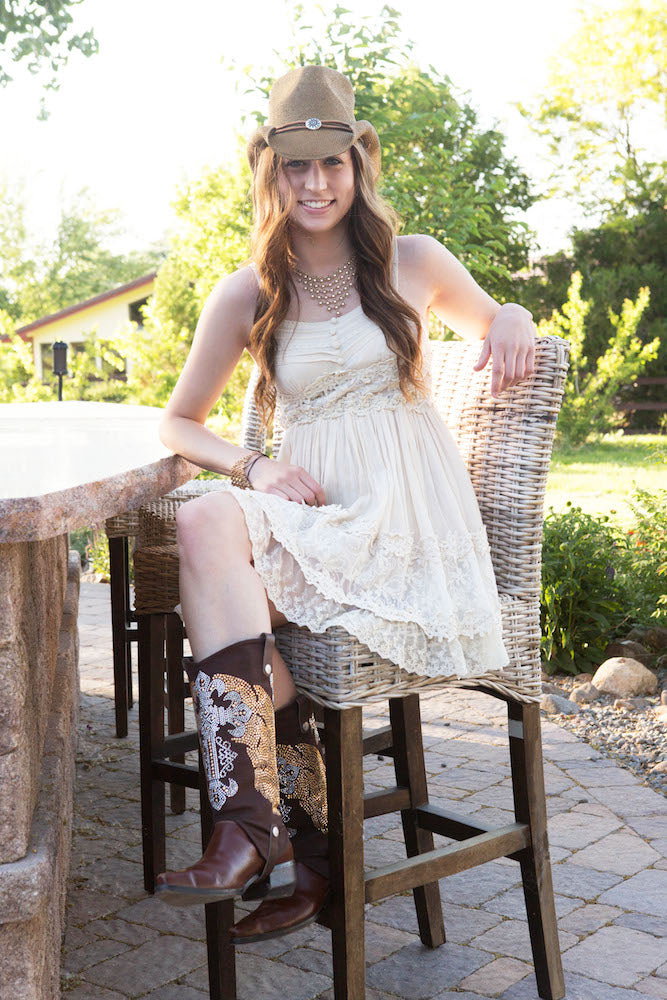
(315, 204)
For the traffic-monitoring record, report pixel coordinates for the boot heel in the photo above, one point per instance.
(280, 882)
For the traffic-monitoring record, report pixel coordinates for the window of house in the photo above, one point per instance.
(135, 310)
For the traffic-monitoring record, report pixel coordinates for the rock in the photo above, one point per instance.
(632, 704)
(656, 638)
(632, 650)
(583, 694)
(660, 768)
(663, 697)
(624, 677)
(551, 689)
(660, 712)
(661, 662)
(583, 678)
(554, 704)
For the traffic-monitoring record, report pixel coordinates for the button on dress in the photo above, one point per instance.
(399, 555)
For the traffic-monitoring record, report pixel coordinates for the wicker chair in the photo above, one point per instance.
(506, 444)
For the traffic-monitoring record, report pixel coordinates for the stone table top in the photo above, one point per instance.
(73, 463)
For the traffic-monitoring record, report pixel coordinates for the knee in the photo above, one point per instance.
(211, 521)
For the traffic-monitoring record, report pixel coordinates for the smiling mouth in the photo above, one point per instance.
(317, 207)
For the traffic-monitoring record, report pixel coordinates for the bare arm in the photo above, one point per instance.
(455, 297)
(222, 333)
(220, 337)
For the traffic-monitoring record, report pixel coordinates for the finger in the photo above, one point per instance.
(318, 498)
(497, 376)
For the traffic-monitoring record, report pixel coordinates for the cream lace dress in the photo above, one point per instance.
(399, 555)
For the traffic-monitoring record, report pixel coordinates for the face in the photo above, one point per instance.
(330, 180)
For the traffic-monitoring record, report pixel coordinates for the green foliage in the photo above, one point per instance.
(18, 383)
(42, 32)
(443, 174)
(599, 581)
(588, 406)
(605, 79)
(616, 259)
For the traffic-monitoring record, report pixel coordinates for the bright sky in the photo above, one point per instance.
(156, 104)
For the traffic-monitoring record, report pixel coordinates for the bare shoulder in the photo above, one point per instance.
(234, 298)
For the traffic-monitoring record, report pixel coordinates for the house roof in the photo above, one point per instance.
(80, 306)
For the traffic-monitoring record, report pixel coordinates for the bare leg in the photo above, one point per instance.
(223, 599)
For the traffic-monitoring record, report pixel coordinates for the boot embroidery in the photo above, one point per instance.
(245, 712)
(302, 777)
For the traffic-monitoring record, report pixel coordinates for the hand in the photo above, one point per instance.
(291, 482)
(510, 340)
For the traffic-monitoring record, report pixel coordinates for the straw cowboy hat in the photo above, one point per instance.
(311, 116)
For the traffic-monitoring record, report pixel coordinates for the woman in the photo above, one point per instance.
(366, 519)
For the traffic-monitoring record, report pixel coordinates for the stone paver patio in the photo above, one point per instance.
(608, 838)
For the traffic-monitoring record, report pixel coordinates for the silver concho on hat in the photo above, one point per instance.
(313, 123)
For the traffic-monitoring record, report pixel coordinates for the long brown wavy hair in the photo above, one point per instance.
(372, 223)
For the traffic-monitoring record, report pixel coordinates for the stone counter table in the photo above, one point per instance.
(64, 465)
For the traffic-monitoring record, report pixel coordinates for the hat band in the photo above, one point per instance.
(311, 124)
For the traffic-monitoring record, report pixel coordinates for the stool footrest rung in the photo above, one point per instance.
(433, 865)
(386, 800)
(448, 823)
(175, 774)
(176, 744)
(379, 741)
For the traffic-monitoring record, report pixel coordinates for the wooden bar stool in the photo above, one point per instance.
(506, 445)
(119, 530)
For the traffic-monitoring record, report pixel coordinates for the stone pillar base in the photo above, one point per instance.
(33, 889)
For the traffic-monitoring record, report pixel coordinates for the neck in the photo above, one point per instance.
(321, 253)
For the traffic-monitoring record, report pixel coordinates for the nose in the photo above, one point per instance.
(315, 176)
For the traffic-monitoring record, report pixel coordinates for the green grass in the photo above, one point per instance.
(600, 477)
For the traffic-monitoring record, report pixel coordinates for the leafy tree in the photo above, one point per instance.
(606, 80)
(443, 174)
(41, 31)
(587, 406)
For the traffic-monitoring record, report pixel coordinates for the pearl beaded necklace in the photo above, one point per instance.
(330, 290)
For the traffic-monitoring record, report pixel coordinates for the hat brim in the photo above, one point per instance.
(316, 144)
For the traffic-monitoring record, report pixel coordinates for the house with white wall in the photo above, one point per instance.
(108, 311)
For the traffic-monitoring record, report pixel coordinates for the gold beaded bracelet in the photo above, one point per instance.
(239, 474)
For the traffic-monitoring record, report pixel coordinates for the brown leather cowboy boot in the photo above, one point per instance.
(303, 803)
(249, 853)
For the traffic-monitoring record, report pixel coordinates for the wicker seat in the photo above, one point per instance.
(506, 444)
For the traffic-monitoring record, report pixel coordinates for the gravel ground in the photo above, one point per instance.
(635, 736)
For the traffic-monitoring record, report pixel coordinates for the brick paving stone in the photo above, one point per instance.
(648, 826)
(86, 904)
(477, 886)
(513, 904)
(87, 991)
(417, 972)
(260, 978)
(511, 937)
(634, 801)
(122, 930)
(497, 976)
(586, 883)
(369, 995)
(576, 829)
(152, 964)
(448, 995)
(576, 988)
(646, 892)
(623, 853)
(588, 918)
(644, 922)
(622, 955)
(653, 987)
(187, 921)
(175, 992)
(92, 953)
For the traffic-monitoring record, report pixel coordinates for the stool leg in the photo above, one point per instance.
(343, 742)
(128, 619)
(175, 702)
(410, 772)
(530, 807)
(151, 732)
(118, 625)
(218, 916)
